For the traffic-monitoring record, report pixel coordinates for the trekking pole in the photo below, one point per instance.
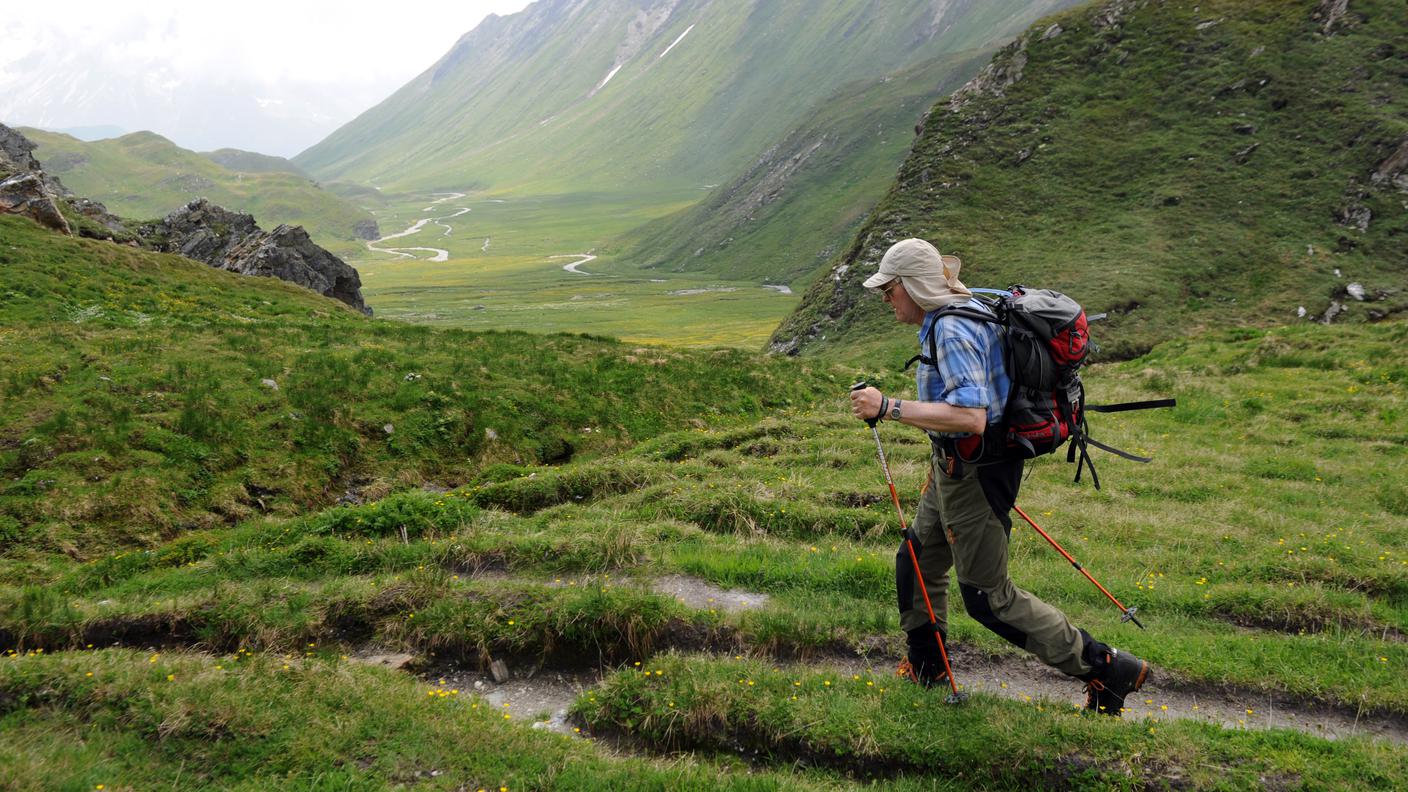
(955, 697)
(1128, 613)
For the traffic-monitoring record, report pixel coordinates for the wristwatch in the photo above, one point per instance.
(895, 410)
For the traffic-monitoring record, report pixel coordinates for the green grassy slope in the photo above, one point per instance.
(251, 162)
(806, 196)
(1179, 164)
(135, 404)
(515, 104)
(144, 176)
(1250, 572)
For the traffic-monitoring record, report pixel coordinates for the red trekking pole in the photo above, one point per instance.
(1128, 613)
(955, 697)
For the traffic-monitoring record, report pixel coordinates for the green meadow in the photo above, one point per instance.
(193, 561)
(505, 270)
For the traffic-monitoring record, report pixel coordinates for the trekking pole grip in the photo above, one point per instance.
(862, 385)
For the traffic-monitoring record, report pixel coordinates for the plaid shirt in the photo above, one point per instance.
(971, 371)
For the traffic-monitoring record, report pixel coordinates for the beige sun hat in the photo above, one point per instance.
(930, 277)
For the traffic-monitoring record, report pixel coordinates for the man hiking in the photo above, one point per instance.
(963, 520)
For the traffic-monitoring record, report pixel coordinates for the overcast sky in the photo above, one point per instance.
(138, 65)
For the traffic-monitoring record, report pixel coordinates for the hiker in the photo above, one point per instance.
(963, 519)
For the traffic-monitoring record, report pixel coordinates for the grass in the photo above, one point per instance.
(136, 396)
(158, 720)
(876, 727)
(156, 494)
(1235, 543)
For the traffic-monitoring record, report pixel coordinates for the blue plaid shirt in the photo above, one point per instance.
(971, 371)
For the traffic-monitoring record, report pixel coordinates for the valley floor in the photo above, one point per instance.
(480, 262)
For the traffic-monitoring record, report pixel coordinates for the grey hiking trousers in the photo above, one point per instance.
(963, 524)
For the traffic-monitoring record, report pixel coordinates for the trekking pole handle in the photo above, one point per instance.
(862, 385)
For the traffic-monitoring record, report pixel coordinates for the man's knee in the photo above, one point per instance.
(981, 607)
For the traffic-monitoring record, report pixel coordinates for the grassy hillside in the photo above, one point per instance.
(523, 102)
(1256, 582)
(136, 403)
(804, 198)
(1181, 165)
(251, 162)
(145, 176)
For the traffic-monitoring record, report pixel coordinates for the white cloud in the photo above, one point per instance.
(319, 63)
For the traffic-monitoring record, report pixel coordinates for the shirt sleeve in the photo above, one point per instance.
(963, 368)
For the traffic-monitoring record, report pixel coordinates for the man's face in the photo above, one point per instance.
(907, 311)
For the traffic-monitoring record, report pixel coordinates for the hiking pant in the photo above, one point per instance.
(963, 523)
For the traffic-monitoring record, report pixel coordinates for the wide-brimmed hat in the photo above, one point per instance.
(930, 277)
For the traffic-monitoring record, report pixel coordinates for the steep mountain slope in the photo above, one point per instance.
(144, 175)
(1178, 164)
(611, 94)
(804, 198)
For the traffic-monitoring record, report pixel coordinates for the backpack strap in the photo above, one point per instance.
(1127, 406)
(932, 358)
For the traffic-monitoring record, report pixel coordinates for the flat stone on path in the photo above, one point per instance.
(703, 595)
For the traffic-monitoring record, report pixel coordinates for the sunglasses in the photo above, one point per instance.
(889, 288)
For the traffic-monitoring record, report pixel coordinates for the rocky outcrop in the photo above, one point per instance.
(232, 241)
(26, 194)
(288, 254)
(366, 229)
(16, 153)
(45, 201)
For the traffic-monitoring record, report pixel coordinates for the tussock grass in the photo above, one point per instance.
(195, 722)
(870, 726)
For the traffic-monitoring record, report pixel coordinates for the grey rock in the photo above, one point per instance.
(1052, 32)
(270, 384)
(1394, 169)
(500, 671)
(366, 229)
(1355, 290)
(1330, 12)
(389, 428)
(16, 153)
(232, 241)
(26, 194)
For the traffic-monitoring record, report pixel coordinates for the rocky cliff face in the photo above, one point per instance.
(232, 241)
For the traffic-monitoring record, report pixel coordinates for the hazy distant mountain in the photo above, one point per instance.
(624, 94)
(57, 89)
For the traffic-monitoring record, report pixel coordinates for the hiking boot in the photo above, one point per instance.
(924, 673)
(1124, 674)
(925, 665)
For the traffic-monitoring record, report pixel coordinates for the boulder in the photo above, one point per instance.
(16, 153)
(366, 229)
(288, 254)
(26, 194)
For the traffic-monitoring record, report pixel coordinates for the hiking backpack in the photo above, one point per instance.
(1045, 338)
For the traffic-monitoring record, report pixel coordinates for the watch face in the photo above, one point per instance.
(895, 414)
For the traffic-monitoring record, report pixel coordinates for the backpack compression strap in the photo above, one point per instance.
(1082, 436)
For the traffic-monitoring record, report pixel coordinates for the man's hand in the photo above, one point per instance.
(865, 404)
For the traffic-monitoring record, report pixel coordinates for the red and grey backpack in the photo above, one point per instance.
(1045, 338)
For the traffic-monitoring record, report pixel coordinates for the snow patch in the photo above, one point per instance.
(609, 75)
(777, 288)
(677, 41)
